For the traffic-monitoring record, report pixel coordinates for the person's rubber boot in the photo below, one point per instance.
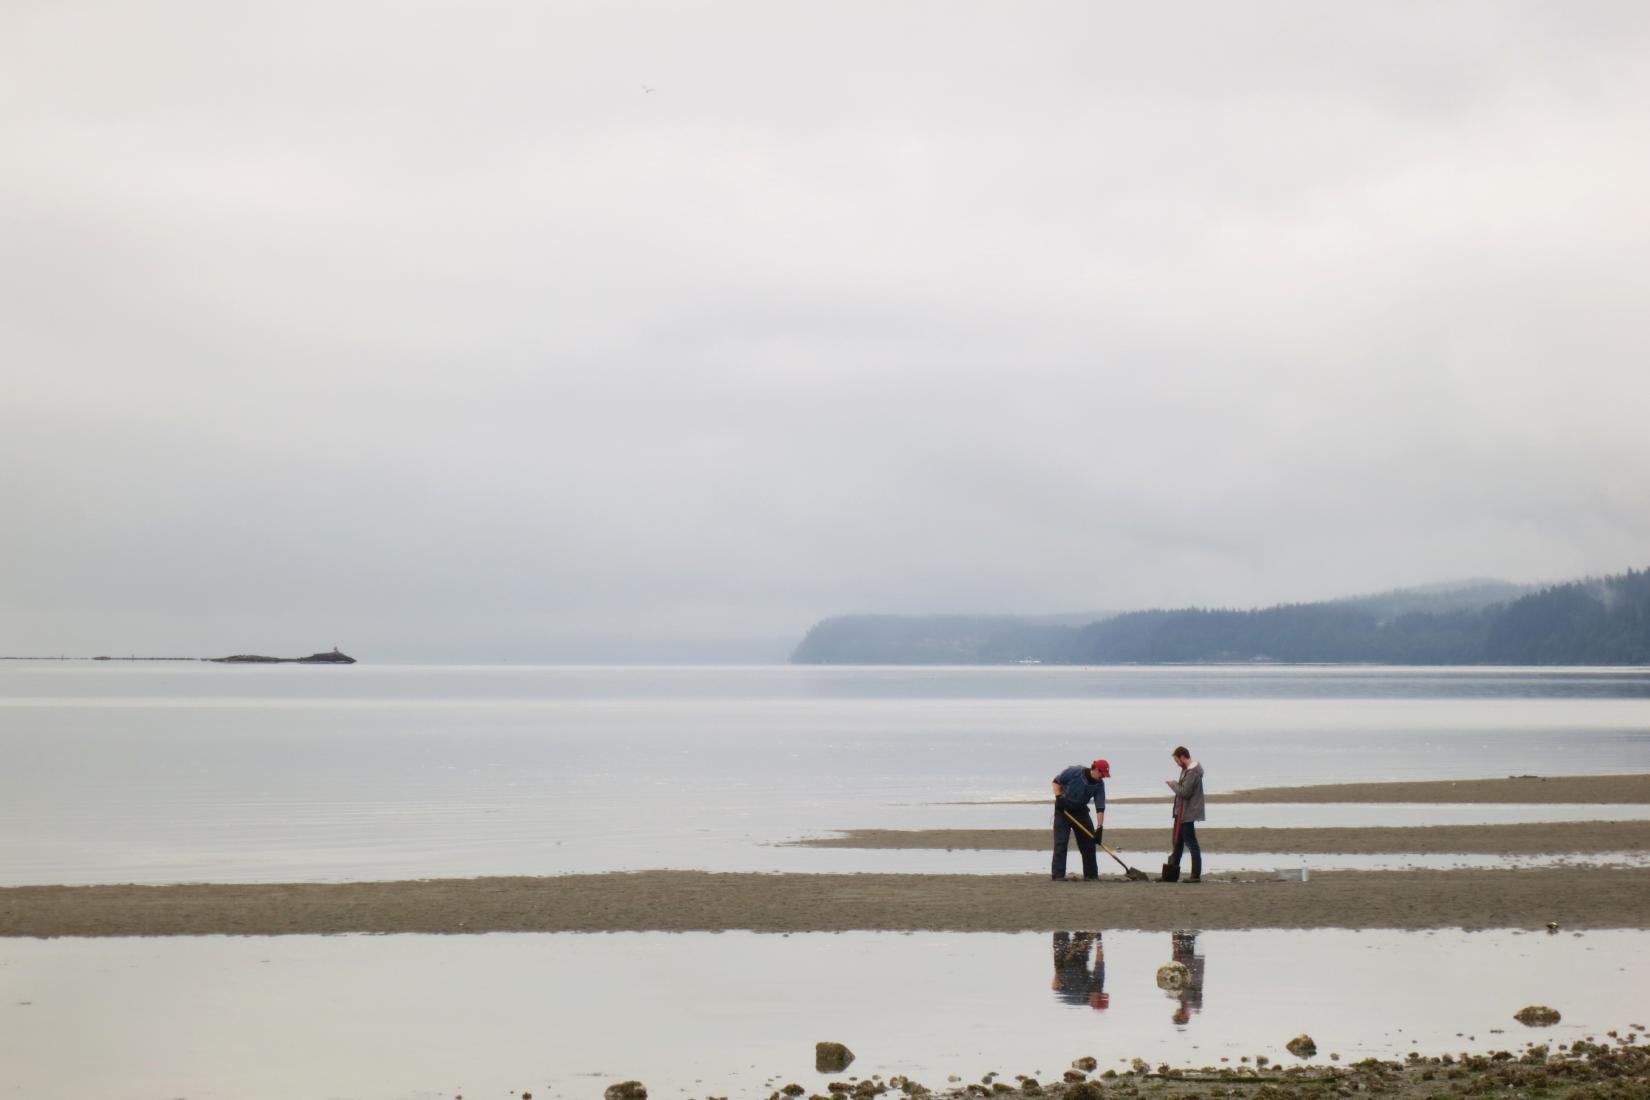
(1197, 870)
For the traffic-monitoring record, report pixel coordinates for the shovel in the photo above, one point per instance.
(1171, 871)
(1131, 873)
(1134, 874)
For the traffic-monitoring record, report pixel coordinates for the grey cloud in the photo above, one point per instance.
(390, 322)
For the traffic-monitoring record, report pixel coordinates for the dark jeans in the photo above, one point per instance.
(1085, 843)
(1187, 841)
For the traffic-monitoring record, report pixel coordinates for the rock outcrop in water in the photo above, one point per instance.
(1537, 1016)
(335, 657)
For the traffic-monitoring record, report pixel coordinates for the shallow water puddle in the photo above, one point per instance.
(738, 1014)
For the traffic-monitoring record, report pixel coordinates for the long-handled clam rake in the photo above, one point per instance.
(1134, 874)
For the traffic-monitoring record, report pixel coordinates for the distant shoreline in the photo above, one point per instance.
(105, 658)
(1596, 621)
(334, 657)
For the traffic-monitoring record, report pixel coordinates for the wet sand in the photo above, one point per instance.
(1564, 837)
(1599, 789)
(675, 901)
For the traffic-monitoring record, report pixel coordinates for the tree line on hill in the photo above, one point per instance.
(1603, 621)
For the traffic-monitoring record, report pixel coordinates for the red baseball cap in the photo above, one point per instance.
(1102, 767)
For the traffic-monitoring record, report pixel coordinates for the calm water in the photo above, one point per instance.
(155, 773)
(166, 773)
(738, 1014)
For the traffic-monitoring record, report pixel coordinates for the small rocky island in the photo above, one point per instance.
(335, 657)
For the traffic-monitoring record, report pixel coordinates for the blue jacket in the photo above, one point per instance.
(1079, 788)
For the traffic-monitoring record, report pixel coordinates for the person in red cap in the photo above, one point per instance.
(1076, 982)
(1074, 789)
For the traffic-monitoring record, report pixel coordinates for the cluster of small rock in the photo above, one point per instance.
(1537, 1068)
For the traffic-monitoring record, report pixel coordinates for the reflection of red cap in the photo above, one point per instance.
(1102, 767)
(1099, 1001)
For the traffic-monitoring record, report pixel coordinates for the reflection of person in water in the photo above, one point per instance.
(1184, 946)
(1075, 982)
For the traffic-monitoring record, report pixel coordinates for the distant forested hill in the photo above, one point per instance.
(1604, 621)
(1439, 598)
(934, 639)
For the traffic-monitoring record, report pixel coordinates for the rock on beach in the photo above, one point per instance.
(1173, 976)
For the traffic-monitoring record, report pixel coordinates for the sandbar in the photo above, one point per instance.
(1518, 839)
(681, 901)
(1566, 789)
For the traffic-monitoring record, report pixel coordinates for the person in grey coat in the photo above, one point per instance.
(1188, 811)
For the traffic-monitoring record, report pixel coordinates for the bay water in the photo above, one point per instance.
(135, 772)
(114, 772)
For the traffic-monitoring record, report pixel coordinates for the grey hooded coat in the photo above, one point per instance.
(1188, 794)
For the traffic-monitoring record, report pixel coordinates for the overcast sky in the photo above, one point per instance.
(426, 329)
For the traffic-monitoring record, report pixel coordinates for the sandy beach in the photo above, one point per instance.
(699, 901)
(1578, 898)
(684, 900)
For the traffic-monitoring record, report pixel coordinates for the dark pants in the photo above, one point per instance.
(1085, 843)
(1187, 841)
